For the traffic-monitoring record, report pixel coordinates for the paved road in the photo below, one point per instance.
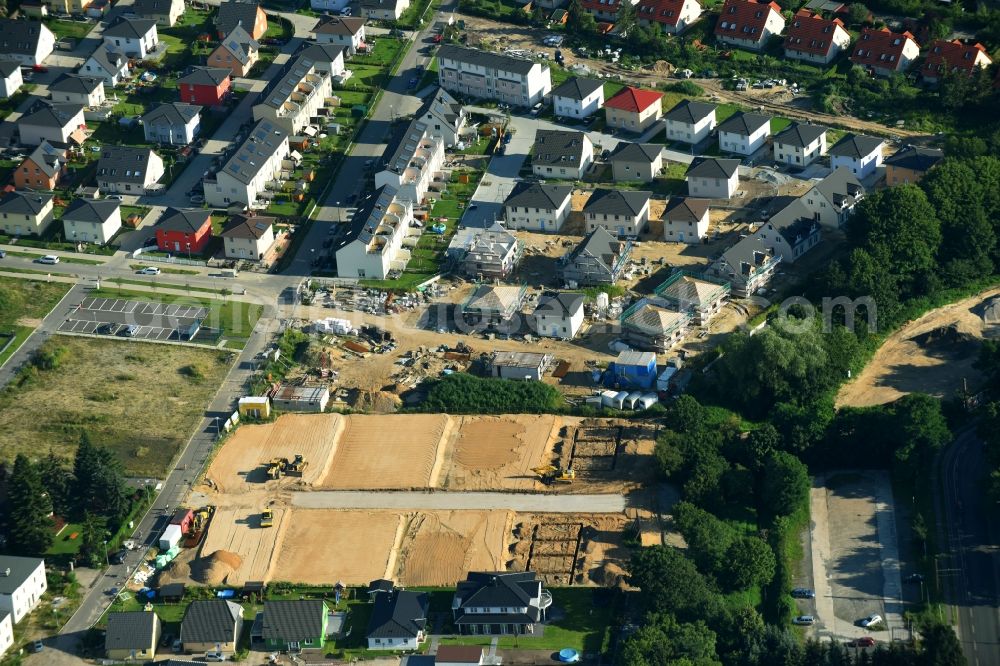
(971, 572)
(548, 503)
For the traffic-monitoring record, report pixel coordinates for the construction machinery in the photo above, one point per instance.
(267, 518)
(297, 466)
(549, 474)
(276, 467)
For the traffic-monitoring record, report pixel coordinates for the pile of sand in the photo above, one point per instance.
(949, 340)
(663, 67)
(214, 569)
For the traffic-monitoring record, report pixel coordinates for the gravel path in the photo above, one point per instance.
(458, 501)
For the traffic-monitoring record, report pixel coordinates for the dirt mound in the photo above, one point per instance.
(609, 575)
(214, 569)
(948, 339)
(663, 67)
(377, 402)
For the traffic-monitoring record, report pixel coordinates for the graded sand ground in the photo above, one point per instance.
(237, 530)
(443, 546)
(498, 452)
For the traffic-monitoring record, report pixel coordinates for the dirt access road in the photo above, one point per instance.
(328, 499)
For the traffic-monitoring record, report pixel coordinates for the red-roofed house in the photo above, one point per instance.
(954, 56)
(815, 39)
(603, 10)
(674, 16)
(749, 23)
(884, 52)
(633, 109)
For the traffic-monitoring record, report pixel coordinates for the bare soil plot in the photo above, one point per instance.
(239, 466)
(397, 451)
(324, 546)
(570, 549)
(442, 547)
(500, 451)
(933, 354)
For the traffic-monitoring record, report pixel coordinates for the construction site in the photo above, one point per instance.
(319, 498)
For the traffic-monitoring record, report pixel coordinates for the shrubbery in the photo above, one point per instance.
(462, 393)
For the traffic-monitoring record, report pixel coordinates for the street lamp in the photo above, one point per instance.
(188, 244)
(340, 214)
(107, 562)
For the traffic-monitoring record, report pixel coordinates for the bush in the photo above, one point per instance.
(462, 393)
(689, 88)
(48, 357)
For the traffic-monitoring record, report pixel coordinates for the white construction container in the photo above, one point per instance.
(663, 380)
(647, 401)
(595, 401)
(614, 399)
(632, 400)
(170, 537)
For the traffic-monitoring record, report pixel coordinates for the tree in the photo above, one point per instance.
(664, 640)
(670, 580)
(940, 646)
(58, 481)
(99, 482)
(30, 526)
(579, 21)
(857, 13)
(93, 534)
(750, 562)
(785, 485)
(921, 429)
(625, 18)
(803, 425)
(708, 538)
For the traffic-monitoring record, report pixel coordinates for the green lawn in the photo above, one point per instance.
(22, 300)
(72, 29)
(63, 544)
(17, 335)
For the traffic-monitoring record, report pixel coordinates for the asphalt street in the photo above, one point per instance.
(459, 501)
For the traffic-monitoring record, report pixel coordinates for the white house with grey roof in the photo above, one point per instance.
(27, 42)
(91, 220)
(491, 253)
(559, 314)
(164, 12)
(599, 258)
(493, 76)
(22, 579)
(211, 625)
(685, 220)
(374, 244)
(128, 170)
(133, 37)
(636, 161)
(174, 123)
(24, 214)
(833, 199)
(107, 63)
(690, 122)
(747, 266)
(561, 154)
(860, 154)
(55, 123)
(713, 178)
(6, 632)
(537, 206)
(345, 31)
(800, 144)
(255, 163)
(443, 116)
(386, 10)
(248, 237)
(326, 58)
(792, 231)
(500, 603)
(87, 91)
(624, 213)
(413, 160)
(744, 133)
(10, 77)
(294, 96)
(398, 620)
(578, 97)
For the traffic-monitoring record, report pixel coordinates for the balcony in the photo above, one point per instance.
(544, 599)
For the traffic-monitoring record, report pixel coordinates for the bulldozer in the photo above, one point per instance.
(200, 520)
(550, 474)
(297, 466)
(267, 518)
(276, 467)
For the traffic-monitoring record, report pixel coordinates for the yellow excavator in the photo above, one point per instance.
(266, 518)
(549, 474)
(297, 466)
(276, 467)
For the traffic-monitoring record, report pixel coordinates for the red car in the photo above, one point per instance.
(39, 68)
(438, 38)
(864, 641)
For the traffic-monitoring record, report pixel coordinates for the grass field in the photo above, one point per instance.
(140, 399)
(22, 301)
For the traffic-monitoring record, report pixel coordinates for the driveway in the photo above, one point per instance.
(459, 501)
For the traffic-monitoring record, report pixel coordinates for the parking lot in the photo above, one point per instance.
(135, 319)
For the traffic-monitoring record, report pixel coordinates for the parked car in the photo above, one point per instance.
(346, 11)
(150, 270)
(804, 620)
(131, 330)
(215, 656)
(114, 197)
(197, 199)
(3, 253)
(107, 329)
(871, 620)
(48, 259)
(864, 641)
(803, 593)
(119, 557)
(37, 646)
(914, 578)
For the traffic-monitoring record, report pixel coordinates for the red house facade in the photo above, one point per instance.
(184, 231)
(206, 86)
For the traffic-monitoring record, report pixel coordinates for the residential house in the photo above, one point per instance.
(184, 230)
(744, 133)
(577, 97)
(43, 169)
(713, 178)
(10, 78)
(883, 52)
(6, 632)
(91, 220)
(248, 237)
(685, 220)
(34, 8)
(373, 247)
(128, 170)
(633, 109)
(459, 655)
(673, 16)
(135, 38)
(443, 116)
(792, 231)
(832, 200)
(600, 258)
(346, 31)
(494, 307)
(252, 166)
(649, 326)
(747, 266)
(690, 122)
(414, 159)
(132, 636)
(22, 582)
(493, 76)
(749, 24)
(622, 212)
(910, 163)
(88, 91)
(326, 58)
(294, 625)
(491, 253)
(604, 10)
(398, 620)
(329, 6)
(559, 314)
(526, 366)
(27, 42)
(537, 207)
(164, 12)
(55, 123)
(295, 95)
(815, 39)
(800, 144)
(75, 7)
(238, 52)
(174, 123)
(561, 154)
(301, 398)
(698, 297)
(211, 625)
(500, 603)
(107, 64)
(205, 86)
(246, 13)
(636, 161)
(860, 154)
(386, 10)
(953, 56)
